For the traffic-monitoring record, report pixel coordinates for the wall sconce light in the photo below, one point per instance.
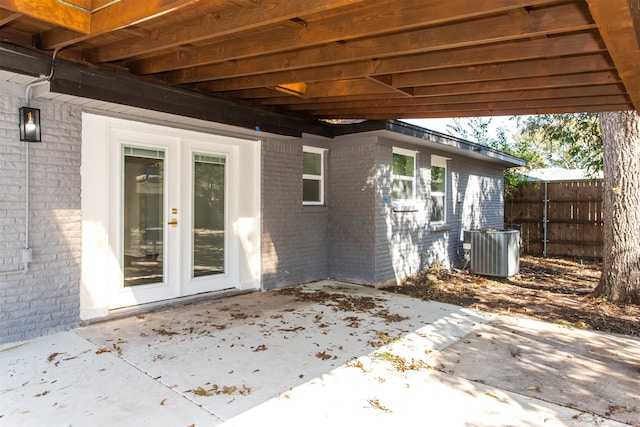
(29, 124)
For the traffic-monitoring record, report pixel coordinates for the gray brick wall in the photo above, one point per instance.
(294, 237)
(352, 223)
(46, 298)
(403, 234)
(405, 241)
(481, 188)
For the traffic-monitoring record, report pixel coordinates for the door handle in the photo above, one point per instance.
(173, 222)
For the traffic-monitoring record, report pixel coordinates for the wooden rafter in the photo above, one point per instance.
(489, 54)
(619, 24)
(231, 20)
(522, 95)
(348, 58)
(358, 24)
(472, 47)
(55, 12)
(568, 104)
(7, 17)
(485, 72)
(109, 18)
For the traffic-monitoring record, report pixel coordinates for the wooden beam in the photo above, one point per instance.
(485, 54)
(619, 25)
(97, 4)
(82, 4)
(543, 81)
(360, 23)
(439, 54)
(318, 94)
(485, 72)
(386, 81)
(575, 104)
(53, 12)
(524, 95)
(109, 18)
(7, 16)
(232, 20)
(509, 70)
(252, 94)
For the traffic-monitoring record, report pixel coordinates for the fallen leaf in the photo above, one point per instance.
(117, 349)
(323, 355)
(384, 337)
(229, 389)
(202, 392)
(376, 404)
(164, 332)
(534, 388)
(617, 409)
(297, 328)
(162, 402)
(52, 356)
(492, 395)
(355, 363)
(261, 347)
(44, 393)
(245, 390)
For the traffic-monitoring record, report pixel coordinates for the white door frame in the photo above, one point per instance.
(191, 285)
(101, 207)
(119, 295)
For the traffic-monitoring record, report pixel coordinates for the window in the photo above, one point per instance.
(438, 189)
(312, 176)
(403, 175)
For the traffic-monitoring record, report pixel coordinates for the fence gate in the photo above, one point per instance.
(560, 218)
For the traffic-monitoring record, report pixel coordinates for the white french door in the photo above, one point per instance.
(173, 203)
(210, 202)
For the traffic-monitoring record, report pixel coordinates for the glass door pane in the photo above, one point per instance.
(208, 247)
(143, 222)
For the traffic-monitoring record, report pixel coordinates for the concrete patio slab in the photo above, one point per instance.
(64, 380)
(320, 353)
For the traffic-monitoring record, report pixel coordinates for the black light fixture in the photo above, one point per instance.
(29, 124)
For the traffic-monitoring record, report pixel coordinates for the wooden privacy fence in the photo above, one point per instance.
(560, 218)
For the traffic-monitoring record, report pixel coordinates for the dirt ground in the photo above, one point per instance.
(549, 289)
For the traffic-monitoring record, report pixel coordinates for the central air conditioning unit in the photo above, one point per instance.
(494, 252)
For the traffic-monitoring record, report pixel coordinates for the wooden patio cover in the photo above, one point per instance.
(355, 59)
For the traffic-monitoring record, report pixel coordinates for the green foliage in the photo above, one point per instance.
(403, 165)
(478, 129)
(571, 141)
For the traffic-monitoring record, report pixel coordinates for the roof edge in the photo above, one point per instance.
(421, 134)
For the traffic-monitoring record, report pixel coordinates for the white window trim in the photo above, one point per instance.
(440, 162)
(407, 203)
(321, 151)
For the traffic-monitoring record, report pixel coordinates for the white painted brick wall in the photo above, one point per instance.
(46, 298)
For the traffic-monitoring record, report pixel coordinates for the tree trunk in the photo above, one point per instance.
(620, 281)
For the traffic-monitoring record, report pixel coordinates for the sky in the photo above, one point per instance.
(440, 125)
